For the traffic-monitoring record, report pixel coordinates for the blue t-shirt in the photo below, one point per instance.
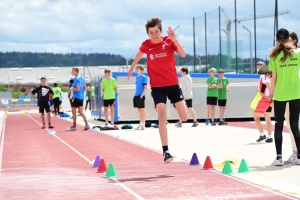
(140, 82)
(78, 80)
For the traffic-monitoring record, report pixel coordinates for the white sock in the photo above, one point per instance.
(269, 136)
(262, 134)
(142, 124)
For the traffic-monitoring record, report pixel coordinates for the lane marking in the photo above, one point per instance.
(139, 197)
(2, 143)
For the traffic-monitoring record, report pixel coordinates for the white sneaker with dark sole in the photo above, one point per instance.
(291, 159)
(72, 129)
(296, 161)
(277, 162)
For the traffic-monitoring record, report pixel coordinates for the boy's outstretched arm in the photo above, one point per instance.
(172, 36)
(138, 57)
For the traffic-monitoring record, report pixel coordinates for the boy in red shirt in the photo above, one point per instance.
(163, 75)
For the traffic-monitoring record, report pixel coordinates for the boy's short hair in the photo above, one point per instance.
(212, 70)
(185, 69)
(55, 84)
(155, 21)
(43, 78)
(221, 71)
(140, 67)
(269, 72)
(107, 70)
(76, 69)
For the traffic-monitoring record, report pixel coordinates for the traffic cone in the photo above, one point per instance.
(102, 167)
(111, 172)
(243, 167)
(208, 164)
(227, 168)
(194, 160)
(6, 112)
(96, 162)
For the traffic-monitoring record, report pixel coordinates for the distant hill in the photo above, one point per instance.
(28, 59)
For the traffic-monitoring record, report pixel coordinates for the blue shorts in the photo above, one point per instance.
(51, 102)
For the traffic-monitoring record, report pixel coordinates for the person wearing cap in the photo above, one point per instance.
(285, 88)
(259, 65)
(294, 42)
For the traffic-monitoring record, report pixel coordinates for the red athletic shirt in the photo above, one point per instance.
(161, 62)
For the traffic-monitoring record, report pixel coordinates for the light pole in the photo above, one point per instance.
(199, 63)
(251, 65)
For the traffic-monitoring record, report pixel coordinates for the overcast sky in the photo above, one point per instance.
(112, 26)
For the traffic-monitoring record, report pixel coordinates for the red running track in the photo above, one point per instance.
(38, 166)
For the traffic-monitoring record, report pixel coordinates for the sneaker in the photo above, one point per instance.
(137, 128)
(107, 124)
(43, 127)
(291, 159)
(277, 162)
(72, 129)
(261, 138)
(86, 127)
(111, 123)
(140, 128)
(221, 123)
(296, 161)
(213, 123)
(269, 140)
(178, 125)
(50, 126)
(207, 121)
(195, 124)
(168, 158)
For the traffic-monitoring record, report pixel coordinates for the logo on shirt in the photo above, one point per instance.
(44, 91)
(151, 57)
(163, 46)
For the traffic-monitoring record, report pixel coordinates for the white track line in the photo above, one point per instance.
(2, 142)
(139, 197)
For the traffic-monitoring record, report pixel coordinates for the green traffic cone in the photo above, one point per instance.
(243, 167)
(111, 172)
(227, 168)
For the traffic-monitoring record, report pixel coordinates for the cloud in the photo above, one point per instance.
(63, 26)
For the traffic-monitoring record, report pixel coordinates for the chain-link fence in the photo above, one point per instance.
(236, 36)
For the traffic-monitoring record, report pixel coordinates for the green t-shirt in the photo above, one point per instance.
(288, 77)
(93, 91)
(212, 92)
(56, 92)
(109, 85)
(222, 94)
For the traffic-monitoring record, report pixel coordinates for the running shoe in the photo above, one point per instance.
(221, 123)
(277, 162)
(195, 124)
(86, 127)
(140, 128)
(261, 138)
(213, 123)
(43, 127)
(207, 121)
(50, 126)
(269, 140)
(137, 128)
(179, 125)
(168, 158)
(291, 159)
(296, 161)
(72, 128)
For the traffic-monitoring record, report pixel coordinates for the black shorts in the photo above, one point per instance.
(211, 101)
(222, 102)
(189, 103)
(139, 102)
(44, 106)
(76, 102)
(173, 93)
(269, 109)
(108, 102)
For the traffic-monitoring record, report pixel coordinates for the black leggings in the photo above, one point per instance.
(56, 105)
(86, 104)
(279, 110)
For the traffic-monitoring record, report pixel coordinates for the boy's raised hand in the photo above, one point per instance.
(171, 34)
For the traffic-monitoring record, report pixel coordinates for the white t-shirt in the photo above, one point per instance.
(262, 87)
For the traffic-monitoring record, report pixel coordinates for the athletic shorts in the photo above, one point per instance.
(189, 103)
(139, 102)
(51, 102)
(44, 106)
(222, 102)
(269, 109)
(211, 101)
(76, 102)
(173, 93)
(108, 102)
